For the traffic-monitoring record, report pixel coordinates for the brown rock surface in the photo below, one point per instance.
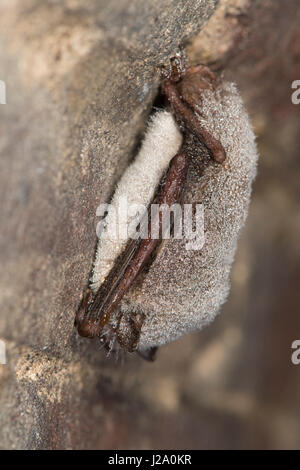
(81, 81)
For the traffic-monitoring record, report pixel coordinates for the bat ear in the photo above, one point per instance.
(129, 330)
(148, 354)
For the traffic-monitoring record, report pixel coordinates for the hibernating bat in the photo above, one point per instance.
(199, 152)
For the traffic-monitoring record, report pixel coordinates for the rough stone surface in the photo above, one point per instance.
(81, 79)
(80, 83)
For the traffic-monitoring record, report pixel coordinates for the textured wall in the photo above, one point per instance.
(81, 78)
(80, 82)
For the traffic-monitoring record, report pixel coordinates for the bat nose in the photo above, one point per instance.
(87, 327)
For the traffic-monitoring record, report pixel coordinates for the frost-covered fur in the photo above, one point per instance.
(184, 289)
(138, 184)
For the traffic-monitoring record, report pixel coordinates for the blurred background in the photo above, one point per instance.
(231, 386)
